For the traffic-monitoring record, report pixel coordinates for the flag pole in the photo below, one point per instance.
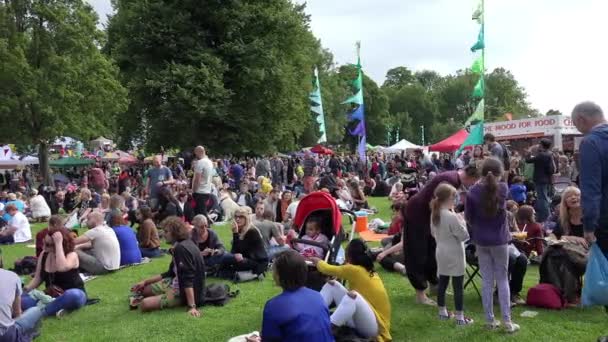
(483, 51)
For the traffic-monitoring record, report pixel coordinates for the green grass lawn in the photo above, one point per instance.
(111, 319)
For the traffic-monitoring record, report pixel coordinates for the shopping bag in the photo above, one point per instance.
(595, 287)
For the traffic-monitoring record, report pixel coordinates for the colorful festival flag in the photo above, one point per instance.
(361, 148)
(477, 67)
(316, 106)
(355, 99)
(475, 122)
(480, 89)
(480, 44)
(359, 129)
(475, 137)
(477, 115)
(357, 114)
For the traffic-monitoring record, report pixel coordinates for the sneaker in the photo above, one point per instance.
(464, 321)
(511, 328)
(61, 313)
(517, 300)
(493, 325)
(447, 317)
(244, 276)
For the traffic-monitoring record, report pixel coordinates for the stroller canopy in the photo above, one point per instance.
(318, 200)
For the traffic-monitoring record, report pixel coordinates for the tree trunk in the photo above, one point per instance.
(43, 159)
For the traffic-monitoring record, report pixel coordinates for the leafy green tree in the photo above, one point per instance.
(54, 81)
(419, 106)
(504, 94)
(401, 127)
(233, 75)
(553, 112)
(429, 79)
(399, 77)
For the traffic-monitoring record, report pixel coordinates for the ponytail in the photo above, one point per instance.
(435, 211)
(490, 198)
(358, 254)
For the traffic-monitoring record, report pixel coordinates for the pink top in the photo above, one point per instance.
(312, 251)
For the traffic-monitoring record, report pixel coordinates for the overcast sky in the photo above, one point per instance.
(555, 48)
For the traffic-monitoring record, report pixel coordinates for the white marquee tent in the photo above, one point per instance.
(401, 146)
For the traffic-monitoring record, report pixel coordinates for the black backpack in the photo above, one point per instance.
(506, 157)
(219, 294)
(26, 266)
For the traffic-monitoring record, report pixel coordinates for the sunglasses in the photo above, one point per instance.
(239, 216)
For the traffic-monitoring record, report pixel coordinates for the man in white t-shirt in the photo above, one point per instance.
(98, 249)
(201, 183)
(14, 324)
(18, 227)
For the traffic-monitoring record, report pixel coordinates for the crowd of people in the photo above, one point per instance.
(492, 207)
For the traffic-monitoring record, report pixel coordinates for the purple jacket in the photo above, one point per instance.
(487, 231)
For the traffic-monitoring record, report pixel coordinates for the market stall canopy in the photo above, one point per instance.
(452, 143)
(29, 160)
(117, 155)
(402, 145)
(320, 149)
(128, 159)
(100, 142)
(70, 162)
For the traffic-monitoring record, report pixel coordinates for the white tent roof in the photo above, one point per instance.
(401, 146)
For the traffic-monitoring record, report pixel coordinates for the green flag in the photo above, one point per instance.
(316, 106)
(477, 115)
(480, 89)
(478, 67)
(356, 99)
(480, 44)
(475, 137)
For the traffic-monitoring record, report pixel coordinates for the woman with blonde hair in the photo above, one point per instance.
(570, 222)
(249, 259)
(105, 202)
(85, 204)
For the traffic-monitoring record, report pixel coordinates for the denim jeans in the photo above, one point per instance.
(542, 202)
(217, 259)
(70, 300)
(29, 319)
(150, 252)
(7, 240)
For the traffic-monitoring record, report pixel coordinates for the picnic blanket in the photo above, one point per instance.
(371, 236)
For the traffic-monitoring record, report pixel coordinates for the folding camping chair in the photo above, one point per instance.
(472, 268)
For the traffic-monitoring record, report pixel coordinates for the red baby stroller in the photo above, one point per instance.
(323, 207)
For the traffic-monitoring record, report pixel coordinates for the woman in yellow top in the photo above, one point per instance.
(365, 307)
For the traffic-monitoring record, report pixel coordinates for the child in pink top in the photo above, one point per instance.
(313, 233)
